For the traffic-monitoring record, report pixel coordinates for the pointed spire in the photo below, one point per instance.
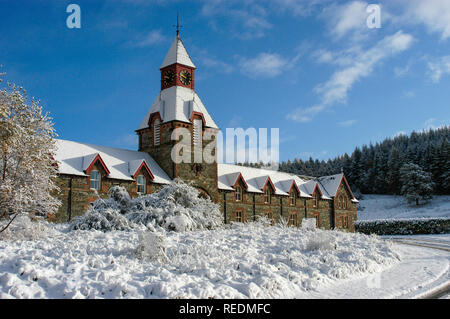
(177, 54)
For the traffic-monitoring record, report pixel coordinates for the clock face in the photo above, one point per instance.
(169, 77)
(185, 77)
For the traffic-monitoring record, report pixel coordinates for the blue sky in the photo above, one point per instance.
(311, 68)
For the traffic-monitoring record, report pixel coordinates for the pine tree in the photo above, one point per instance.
(27, 165)
(416, 183)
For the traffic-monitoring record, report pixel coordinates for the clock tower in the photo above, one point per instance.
(177, 71)
(178, 108)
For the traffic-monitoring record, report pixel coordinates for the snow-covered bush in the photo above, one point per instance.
(23, 228)
(152, 246)
(309, 223)
(283, 222)
(176, 207)
(321, 241)
(411, 226)
(102, 218)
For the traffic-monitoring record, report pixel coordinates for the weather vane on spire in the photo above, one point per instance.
(179, 26)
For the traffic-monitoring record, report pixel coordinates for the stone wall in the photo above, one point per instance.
(202, 175)
(344, 216)
(253, 205)
(75, 193)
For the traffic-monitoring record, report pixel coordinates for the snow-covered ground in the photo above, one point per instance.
(396, 207)
(422, 272)
(241, 261)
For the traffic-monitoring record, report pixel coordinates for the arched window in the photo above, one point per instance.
(292, 198)
(238, 193)
(344, 202)
(340, 202)
(141, 184)
(157, 132)
(96, 179)
(267, 196)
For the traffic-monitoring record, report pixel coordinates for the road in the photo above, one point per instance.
(439, 242)
(423, 272)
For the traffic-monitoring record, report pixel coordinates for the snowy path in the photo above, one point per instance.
(423, 272)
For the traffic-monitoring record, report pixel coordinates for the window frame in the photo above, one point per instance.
(144, 185)
(238, 194)
(267, 196)
(293, 219)
(239, 216)
(292, 198)
(94, 180)
(316, 200)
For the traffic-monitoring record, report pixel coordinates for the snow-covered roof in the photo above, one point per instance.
(178, 103)
(256, 178)
(177, 54)
(331, 183)
(72, 158)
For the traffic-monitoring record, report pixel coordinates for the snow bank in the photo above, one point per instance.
(237, 261)
(176, 207)
(372, 207)
(23, 228)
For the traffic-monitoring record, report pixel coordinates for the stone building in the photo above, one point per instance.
(243, 193)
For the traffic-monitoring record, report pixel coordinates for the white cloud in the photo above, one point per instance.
(438, 67)
(151, 38)
(360, 65)
(434, 14)
(219, 66)
(409, 94)
(347, 123)
(266, 65)
(346, 18)
(305, 115)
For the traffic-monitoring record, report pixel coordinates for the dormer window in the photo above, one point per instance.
(141, 184)
(238, 193)
(157, 132)
(267, 196)
(316, 200)
(95, 180)
(292, 198)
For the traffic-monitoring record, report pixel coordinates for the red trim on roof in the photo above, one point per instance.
(271, 184)
(102, 163)
(144, 165)
(343, 178)
(153, 116)
(242, 179)
(198, 114)
(296, 187)
(318, 188)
